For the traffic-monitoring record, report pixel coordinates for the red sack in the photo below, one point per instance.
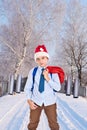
(58, 70)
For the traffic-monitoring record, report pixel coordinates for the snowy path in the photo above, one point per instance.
(12, 119)
(70, 119)
(14, 113)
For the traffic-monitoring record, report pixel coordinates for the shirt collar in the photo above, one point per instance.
(40, 68)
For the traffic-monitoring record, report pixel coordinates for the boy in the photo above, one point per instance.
(43, 96)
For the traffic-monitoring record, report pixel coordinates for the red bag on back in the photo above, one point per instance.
(58, 70)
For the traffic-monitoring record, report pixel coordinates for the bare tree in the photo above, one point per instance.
(29, 22)
(74, 39)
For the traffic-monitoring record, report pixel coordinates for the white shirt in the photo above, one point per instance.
(48, 96)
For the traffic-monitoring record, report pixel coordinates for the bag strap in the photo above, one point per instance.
(33, 77)
(51, 75)
(51, 78)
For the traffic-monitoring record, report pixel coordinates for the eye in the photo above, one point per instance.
(38, 59)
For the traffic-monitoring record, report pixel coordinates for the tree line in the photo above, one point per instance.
(60, 25)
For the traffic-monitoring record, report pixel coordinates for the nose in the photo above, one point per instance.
(41, 61)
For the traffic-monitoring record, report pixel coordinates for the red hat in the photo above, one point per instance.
(40, 51)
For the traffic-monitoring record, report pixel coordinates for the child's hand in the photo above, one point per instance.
(45, 73)
(32, 105)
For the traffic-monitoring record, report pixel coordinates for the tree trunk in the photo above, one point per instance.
(80, 75)
(20, 61)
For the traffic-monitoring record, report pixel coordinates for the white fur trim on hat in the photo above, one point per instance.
(38, 54)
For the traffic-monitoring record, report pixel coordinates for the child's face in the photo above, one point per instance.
(42, 61)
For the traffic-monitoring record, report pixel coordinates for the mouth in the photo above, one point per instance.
(42, 64)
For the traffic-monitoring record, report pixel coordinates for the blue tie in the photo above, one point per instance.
(41, 84)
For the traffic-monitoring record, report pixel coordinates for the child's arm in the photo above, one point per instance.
(28, 91)
(54, 82)
(28, 86)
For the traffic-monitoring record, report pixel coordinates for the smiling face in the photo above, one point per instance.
(42, 61)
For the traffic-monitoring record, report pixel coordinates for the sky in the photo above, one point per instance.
(3, 19)
(84, 2)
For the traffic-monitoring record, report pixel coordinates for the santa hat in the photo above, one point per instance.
(40, 51)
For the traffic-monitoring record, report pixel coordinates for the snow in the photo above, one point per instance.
(14, 113)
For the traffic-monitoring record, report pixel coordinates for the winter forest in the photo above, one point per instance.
(59, 24)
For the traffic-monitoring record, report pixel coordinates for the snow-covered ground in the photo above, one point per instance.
(14, 113)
